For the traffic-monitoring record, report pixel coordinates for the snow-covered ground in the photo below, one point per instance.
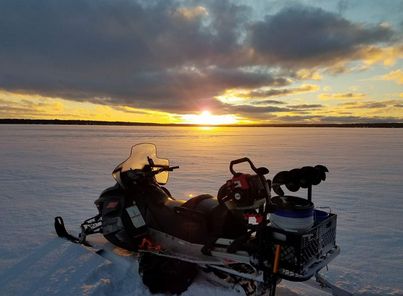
(60, 170)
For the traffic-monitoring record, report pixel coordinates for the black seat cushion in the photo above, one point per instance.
(221, 222)
(198, 220)
(194, 202)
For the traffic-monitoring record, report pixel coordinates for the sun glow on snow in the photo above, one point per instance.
(206, 118)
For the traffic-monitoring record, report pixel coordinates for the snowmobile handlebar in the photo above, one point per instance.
(173, 168)
(162, 169)
(149, 172)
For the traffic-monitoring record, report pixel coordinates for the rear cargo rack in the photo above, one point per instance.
(302, 253)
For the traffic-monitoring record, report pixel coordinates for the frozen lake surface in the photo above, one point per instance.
(48, 171)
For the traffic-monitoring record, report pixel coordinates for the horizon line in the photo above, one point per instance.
(127, 123)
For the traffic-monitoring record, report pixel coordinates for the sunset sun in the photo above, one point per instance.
(207, 118)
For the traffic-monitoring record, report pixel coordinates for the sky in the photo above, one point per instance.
(205, 62)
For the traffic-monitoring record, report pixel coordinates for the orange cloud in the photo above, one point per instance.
(341, 96)
(306, 74)
(396, 76)
(279, 92)
(367, 56)
(15, 105)
(191, 13)
(381, 55)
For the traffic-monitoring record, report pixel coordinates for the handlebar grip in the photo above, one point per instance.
(241, 160)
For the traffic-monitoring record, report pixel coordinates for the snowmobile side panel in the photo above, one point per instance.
(122, 225)
(176, 247)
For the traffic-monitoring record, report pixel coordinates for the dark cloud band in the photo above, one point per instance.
(164, 55)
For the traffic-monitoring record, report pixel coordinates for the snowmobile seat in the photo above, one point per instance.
(197, 220)
(220, 221)
(202, 204)
(196, 208)
(173, 203)
(195, 201)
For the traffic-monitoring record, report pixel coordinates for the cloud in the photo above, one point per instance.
(357, 119)
(30, 108)
(317, 119)
(267, 102)
(192, 12)
(370, 104)
(364, 105)
(297, 118)
(342, 6)
(299, 36)
(258, 97)
(334, 119)
(374, 105)
(253, 109)
(170, 55)
(346, 112)
(384, 55)
(264, 93)
(380, 110)
(122, 52)
(396, 76)
(305, 74)
(340, 96)
(305, 106)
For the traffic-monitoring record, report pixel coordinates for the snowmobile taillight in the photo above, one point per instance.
(148, 245)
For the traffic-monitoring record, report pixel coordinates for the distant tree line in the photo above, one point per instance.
(122, 123)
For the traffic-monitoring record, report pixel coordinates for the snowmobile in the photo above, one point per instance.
(243, 237)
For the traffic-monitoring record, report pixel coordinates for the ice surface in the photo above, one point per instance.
(48, 171)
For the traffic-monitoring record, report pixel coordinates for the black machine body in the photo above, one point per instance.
(207, 232)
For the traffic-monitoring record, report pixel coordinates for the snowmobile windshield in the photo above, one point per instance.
(143, 155)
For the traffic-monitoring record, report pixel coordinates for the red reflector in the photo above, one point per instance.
(147, 244)
(112, 204)
(259, 218)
